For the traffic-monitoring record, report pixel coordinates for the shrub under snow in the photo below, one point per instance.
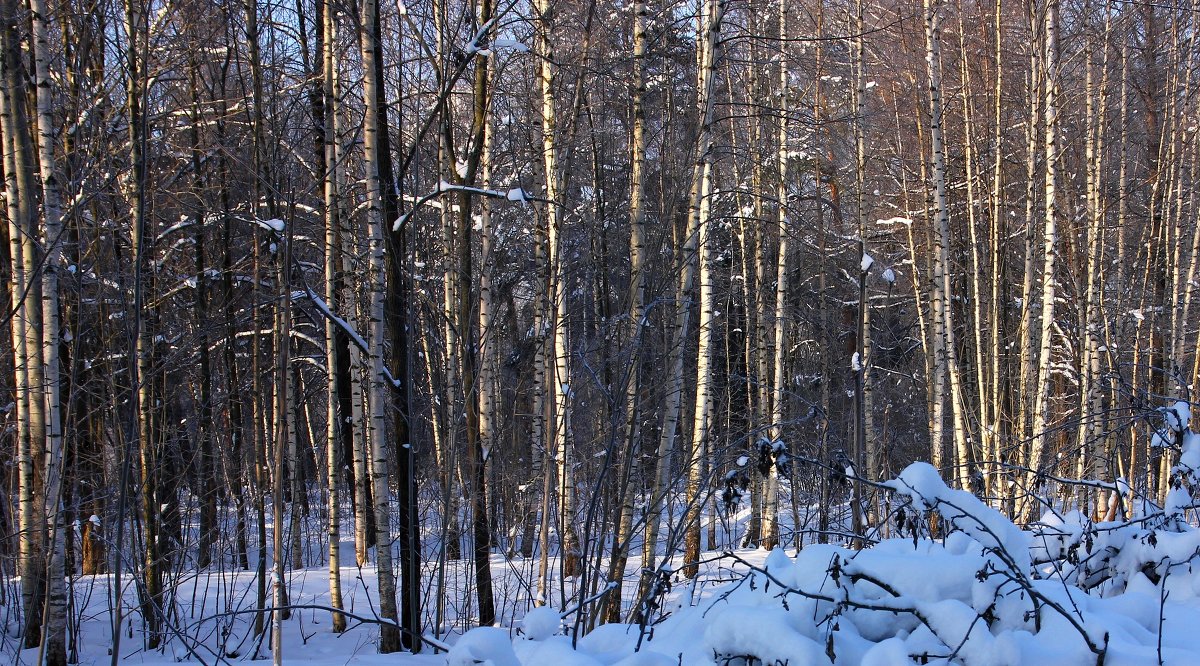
(985, 594)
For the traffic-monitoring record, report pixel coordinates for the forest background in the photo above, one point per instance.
(557, 279)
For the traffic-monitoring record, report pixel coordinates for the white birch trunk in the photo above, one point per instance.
(55, 629)
(335, 419)
(978, 277)
(997, 235)
(1041, 405)
(562, 380)
(687, 277)
(487, 388)
(770, 511)
(283, 442)
(943, 324)
(866, 453)
(702, 415)
(1026, 370)
(1089, 375)
(377, 383)
(637, 315)
(541, 421)
(24, 319)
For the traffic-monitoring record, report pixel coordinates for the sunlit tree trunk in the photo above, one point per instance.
(487, 390)
(770, 510)
(283, 443)
(541, 418)
(703, 408)
(706, 78)
(866, 453)
(21, 196)
(19, 325)
(54, 649)
(999, 428)
(559, 323)
(978, 277)
(364, 535)
(136, 28)
(378, 383)
(1090, 414)
(637, 315)
(945, 359)
(1041, 404)
(1026, 371)
(335, 416)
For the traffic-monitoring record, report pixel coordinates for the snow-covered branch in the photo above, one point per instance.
(350, 331)
(515, 194)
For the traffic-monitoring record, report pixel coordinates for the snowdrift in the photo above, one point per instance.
(983, 593)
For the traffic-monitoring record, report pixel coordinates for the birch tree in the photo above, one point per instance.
(336, 419)
(1041, 406)
(775, 444)
(136, 36)
(55, 644)
(21, 193)
(706, 350)
(713, 13)
(378, 384)
(560, 346)
(945, 359)
(637, 312)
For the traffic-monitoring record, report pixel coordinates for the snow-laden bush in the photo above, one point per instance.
(985, 593)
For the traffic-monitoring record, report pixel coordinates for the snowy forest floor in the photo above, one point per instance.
(980, 592)
(204, 601)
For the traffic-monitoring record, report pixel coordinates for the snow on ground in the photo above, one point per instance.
(982, 593)
(212, 614)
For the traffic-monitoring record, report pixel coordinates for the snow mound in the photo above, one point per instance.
(483, 646)
(974, 590)
(541, 623)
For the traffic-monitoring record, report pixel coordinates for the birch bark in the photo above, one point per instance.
(377, 383)
(1041, 405)
(561, 366)
(714, 11)
(336, 418)
(637, 315)
(55, 631)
